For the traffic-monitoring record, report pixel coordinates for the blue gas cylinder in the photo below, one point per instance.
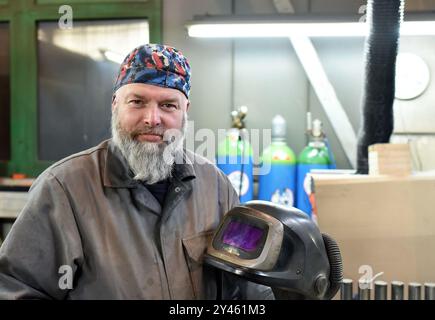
(234, 158)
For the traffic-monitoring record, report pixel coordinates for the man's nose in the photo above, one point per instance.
(152, 116)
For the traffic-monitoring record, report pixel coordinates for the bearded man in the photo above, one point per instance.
(131, 217)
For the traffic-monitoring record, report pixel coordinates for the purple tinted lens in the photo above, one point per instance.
(243, 236)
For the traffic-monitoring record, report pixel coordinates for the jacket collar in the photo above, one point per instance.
(117, 173)
(183, 170)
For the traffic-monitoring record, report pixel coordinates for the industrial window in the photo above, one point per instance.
(76, 72)
(4, 93)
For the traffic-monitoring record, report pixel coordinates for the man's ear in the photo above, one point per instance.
(188, 105)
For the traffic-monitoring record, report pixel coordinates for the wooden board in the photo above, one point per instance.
(385, 223)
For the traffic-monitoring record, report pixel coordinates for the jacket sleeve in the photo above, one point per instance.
(43, 250)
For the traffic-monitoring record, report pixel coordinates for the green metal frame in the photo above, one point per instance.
(23, 16)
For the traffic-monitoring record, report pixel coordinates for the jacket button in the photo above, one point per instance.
(177, 189)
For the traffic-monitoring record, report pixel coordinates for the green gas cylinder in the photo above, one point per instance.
(277, 176)
(314, 156)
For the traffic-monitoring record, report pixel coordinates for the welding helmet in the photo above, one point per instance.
(277, 246)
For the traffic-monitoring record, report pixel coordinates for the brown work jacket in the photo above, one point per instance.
(88, 219)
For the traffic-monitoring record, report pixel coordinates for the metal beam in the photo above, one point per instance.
(323, 88)
(328, 98)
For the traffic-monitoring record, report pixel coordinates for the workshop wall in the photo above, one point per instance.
(266, 75)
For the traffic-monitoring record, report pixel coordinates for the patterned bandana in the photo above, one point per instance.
(155, 64)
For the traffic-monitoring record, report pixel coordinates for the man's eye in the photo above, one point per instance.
(169, 106)
(135, 102)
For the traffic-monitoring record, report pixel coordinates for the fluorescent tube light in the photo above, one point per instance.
(308, 29)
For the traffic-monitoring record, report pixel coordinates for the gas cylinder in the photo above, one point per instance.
(234, 157)
(277, 175)
(314, 156)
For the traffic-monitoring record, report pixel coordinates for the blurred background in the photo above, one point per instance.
(56, 87)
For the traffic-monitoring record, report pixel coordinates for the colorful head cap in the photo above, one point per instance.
(155, 64)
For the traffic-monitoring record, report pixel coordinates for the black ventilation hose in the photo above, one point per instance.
(336, 266)
(384, 18)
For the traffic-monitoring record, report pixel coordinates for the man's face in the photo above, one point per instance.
(148, 126)
(146, 111)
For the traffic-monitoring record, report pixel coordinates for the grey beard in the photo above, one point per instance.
(150, 162)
